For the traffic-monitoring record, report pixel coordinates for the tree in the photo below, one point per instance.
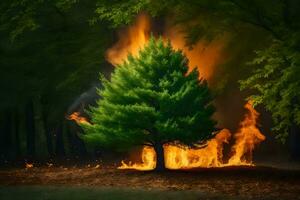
(272, 81)
(151, 100)
(277, 86)
(44, 70)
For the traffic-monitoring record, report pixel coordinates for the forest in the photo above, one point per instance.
(148, 85)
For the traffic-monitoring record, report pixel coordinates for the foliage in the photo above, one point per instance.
(207, 19)
(150, 99)
(18, 16)
(277, 85)
(55, 61)
(49, 66)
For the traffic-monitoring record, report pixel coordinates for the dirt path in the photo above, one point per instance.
(246, 182)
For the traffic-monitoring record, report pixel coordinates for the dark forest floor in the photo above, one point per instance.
(111, 183)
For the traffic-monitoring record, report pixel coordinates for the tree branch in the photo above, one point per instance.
(257, 17)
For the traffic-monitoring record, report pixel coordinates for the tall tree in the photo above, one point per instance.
(273, 81)
(44, 70)
(151, 100)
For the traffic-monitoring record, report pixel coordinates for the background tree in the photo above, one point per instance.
(151, 100)
(43, 71)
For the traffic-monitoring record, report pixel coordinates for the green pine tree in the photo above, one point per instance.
(151, 100)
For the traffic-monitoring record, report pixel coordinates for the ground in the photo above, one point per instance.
(92, 182)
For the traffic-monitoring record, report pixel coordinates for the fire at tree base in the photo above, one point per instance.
(183, 157)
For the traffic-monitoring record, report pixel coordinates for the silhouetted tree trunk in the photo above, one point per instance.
(22, 131)
(2, 136)
(17, 141)
(40, 133)
(160, 157)
(30, 129)
(59, 147)
(78, 146)
(6, 133)
(50, 140)
(49, 134)
(294, 141)
(66, 139)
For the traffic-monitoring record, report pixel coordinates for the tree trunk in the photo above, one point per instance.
(66, 139)
(49, 134)
(78, 146)
(160, 157)
(294, 139)
(40, 132)
(17, 133)
(6, 136)
(59, 147)
(22, 132)
(30, 129)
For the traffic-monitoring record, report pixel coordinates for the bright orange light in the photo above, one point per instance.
(28, 165)
(184, 157)
(246, 138)
(148, 161)
(130, 41)
(209, 156)
(204, 56)
(77, 118)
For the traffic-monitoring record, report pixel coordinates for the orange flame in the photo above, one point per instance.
(246, 138)
(77, 118)
(148, 161)
(204, 56)
(184, 157)
(131, 40)
(210, 156)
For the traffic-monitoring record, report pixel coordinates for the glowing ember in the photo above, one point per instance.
(28, 165)
(49, 164)
(77, 118)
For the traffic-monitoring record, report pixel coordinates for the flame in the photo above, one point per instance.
(77, 118)
(131, 40)
(148, 161)
(183, 157)
(246, 138)
(205, 56)
(210, 156)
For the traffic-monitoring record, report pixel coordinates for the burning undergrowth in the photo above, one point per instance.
(205, 57)
(183, 157)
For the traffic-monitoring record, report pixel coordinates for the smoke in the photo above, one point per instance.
(87, 98)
